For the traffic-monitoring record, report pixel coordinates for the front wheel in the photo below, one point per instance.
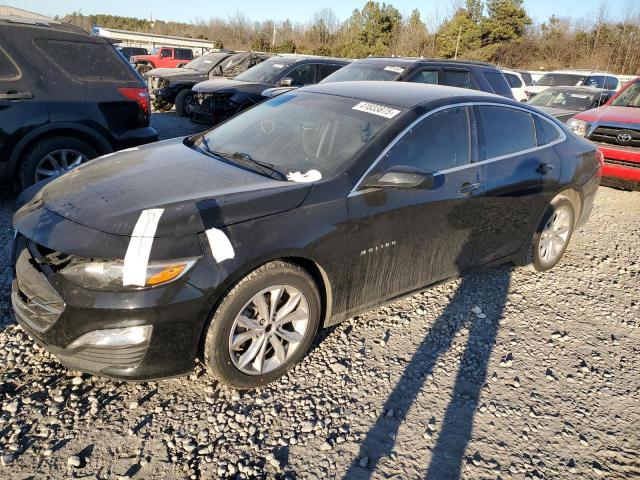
(183, 102)
(551, 238)
(263, 327)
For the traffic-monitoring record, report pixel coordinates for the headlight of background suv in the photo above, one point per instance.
(107, 275)
(579, 127)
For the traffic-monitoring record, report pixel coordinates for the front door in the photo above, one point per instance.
(404, 239)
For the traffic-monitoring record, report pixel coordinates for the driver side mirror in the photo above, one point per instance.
(402, 176)
(286, 82)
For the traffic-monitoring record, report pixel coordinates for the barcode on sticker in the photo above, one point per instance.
(376, 109)
(391, 68)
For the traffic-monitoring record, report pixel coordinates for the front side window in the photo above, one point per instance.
(269, 72)
(8, 69)
(301, 131)
(303, 75)
(441, 141)
(629, 97)
(506, 130)
(366, 71)
(164, 53)
(426, 76)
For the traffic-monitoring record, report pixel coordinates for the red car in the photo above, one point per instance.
(162, 57)
(615, 128)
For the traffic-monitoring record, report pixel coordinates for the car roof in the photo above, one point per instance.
(397, 94)
(581, 72)
(15, 21)
(415, 60)
(294, 57)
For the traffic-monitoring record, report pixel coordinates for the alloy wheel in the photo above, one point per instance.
(555, 235)
(269, 329)
(58, 162)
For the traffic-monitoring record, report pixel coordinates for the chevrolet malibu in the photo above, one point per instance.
(236, 245)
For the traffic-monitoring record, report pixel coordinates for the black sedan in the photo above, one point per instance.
(565, 102)
(237, 244)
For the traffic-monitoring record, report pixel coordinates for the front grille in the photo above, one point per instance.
(34, 299)
(617, 136)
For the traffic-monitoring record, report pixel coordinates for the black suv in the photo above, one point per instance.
(169, 86)
(65, 98)
(454, 73)
(216, 100)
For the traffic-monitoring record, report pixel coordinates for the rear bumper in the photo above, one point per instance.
(133, 138)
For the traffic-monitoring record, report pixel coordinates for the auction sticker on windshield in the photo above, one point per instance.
(391, 68)
(376, 109)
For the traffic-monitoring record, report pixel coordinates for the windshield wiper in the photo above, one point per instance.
(263, 167)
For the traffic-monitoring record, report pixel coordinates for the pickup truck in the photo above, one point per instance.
(615, 129)
(162, 57)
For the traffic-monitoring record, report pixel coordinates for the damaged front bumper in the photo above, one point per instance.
(209, 109)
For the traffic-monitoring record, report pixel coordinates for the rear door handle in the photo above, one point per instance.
(16, 96)
(544, 168)
(468, 187)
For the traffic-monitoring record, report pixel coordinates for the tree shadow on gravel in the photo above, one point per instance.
(488, 290)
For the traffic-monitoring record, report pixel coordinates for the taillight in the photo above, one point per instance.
(138, 95)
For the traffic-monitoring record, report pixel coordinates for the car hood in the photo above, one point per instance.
(229, 86)
(609, 113)
(195, 191)
(174, 74)
(560, 113)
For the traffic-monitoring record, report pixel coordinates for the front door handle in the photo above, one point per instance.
(544, 168)
(16, 96)
(468, 187)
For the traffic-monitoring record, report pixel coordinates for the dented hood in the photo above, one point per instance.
(229, 86)
(195, 191)
(178, 74)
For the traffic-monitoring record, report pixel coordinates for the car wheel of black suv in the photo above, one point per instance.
(263, 326)
(51, 157)
(551, 238)
(183, 99)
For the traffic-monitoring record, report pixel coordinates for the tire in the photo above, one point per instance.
(161, 105)
(218, 349)
(32, 160)
(183, 99)
(534, 255)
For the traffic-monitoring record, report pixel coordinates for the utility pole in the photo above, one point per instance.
(273, 38)
(455, 57)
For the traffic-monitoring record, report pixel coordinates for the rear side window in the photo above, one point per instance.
(183, 54)
(8, 68)
(326, 69)
(439, 142)
(426, 76)
(457, 78)
(86, 61)
(545, 132)
(513, 80)
(506, 130)
(498, 83)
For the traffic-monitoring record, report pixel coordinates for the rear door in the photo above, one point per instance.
(429, 75)
(23, 103)
(407, 238)
(521, 172)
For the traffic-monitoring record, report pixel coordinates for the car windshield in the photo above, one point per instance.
(206, 62)
(629, 97)
(561, 80)
(304, 136)
(266, 72)
(563, 99)
(365, 71)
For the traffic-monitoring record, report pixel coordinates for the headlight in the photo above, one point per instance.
(114, 337)
(108, 275)
(579, 127)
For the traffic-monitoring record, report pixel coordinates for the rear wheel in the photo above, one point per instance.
(53, 156)
(551, 238)
(263, 327)
(183, 101)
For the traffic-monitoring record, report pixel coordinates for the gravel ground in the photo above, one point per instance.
(503, 374)
(169, 125)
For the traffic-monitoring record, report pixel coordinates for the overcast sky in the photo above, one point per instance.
(187, 10)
